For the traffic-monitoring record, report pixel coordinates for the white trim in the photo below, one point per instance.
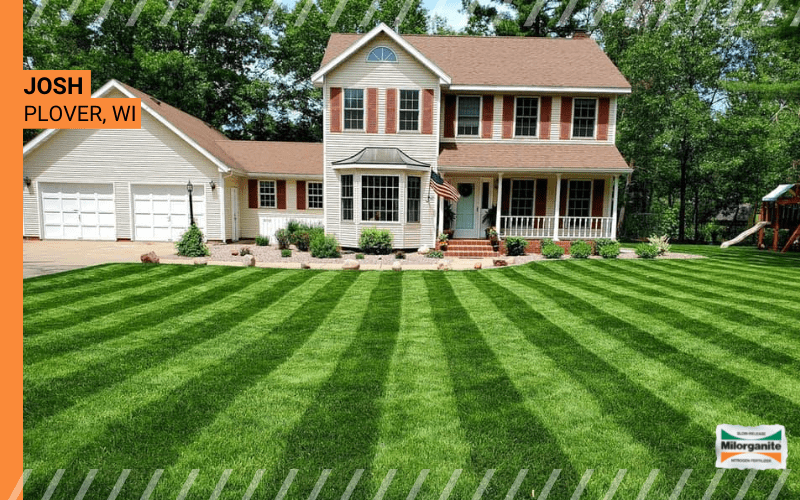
(364, 97)
(553, 170)
(539, 89)
(275, 186)
(353, 166)
(419, 111)
(275, 175)
(538, 117)
(41, 138)
(221, 187)
(614, 208)
(396, 59)
(316, 78)
(596, 114)
(569, 195)
(308, 195)
(480, 116)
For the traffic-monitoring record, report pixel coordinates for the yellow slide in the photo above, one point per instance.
(745, 234)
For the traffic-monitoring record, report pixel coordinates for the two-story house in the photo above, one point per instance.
(526, 125)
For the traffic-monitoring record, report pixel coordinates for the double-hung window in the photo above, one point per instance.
(522, 197)
(380, 198)
(469, 115)
(266, 194)
(580, 198)
(314, 195)
(527, 114)
(409, 110)
(347, 197)
(413, 195)
(354, 109)
(584, 117)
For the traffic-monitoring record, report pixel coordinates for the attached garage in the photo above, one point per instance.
(78, 211)
(161, 212)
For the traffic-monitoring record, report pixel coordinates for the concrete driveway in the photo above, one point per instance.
(47, 257)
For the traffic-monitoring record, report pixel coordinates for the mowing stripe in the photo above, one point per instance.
(419, 427)
(288, 392)
(550, 392)
(769, 393)
(71, 430)
(630, 405)
(760, 273)
(97, 307)
(696, 317)
(750, 281)
(106, 364)
(74, 277)
(123, 279)
(345, 413)
(492, 412)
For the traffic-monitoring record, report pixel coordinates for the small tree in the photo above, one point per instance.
(192, 243)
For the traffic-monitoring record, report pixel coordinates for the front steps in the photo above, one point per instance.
(470, 249)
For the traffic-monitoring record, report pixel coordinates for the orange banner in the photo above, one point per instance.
(39, 84)
(78, 113)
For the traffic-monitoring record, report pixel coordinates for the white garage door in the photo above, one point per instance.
(78, 211)
(161, 213)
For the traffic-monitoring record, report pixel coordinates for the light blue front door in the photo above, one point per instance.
(466, 226)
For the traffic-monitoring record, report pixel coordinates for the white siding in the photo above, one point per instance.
(250, 218)
(153, 154)
(612, 121)
(555, 119)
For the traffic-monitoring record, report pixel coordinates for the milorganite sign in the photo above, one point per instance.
(761, 447)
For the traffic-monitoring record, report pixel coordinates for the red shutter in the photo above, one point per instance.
(544, 118)
(301, 195)
(372, 111)
(602, 119)
(566, 117)
(508, 116)
(450, 116)
(281, 189)
(391, 111)
(505, 205)
(252, 193)
(562, 209)
(488, 116)
(336, 109)
(427, 111)
(597, 197)
(540, 207)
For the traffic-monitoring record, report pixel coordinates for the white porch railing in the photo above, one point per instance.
(569, 227)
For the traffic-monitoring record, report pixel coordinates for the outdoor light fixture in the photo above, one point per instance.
(213, 186)
(27, 181)
(190, 188)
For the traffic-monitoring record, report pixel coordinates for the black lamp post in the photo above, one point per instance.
(190, 188)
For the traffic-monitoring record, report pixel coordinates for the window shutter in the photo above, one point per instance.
(540, 207)
(566, 117)
(488, 115)
(508, 116)
(427, 111)
(301, 195)
(372, 111)
(252, 193)
(598, 193)
(391, 111)
(450, 116)
(281, 192)
(544, 119)
(336, 109)
(562, 208)
(602, 119)
(506, 203)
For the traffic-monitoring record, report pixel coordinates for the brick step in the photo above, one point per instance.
(478, 248)
(470, 255)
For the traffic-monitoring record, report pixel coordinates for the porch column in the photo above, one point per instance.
(614, 209)
(440, 223)
(499, 203)
(557, 207)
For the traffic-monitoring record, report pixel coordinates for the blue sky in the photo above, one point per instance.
(449, 9)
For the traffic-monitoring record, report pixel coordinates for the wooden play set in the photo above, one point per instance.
(780, 209)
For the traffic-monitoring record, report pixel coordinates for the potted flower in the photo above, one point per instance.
(443, 242)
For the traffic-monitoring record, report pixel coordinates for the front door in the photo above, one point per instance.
(466, 211)
(235, 214)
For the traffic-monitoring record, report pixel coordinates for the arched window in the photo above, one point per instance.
(382, 54)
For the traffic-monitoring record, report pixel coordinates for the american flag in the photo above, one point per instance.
(444, 188)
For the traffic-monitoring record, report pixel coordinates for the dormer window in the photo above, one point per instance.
(382, 54)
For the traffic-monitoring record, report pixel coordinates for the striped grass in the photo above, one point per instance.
(360, 378)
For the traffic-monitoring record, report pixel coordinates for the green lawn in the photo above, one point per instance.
(569, 365)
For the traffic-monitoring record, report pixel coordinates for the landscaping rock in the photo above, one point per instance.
(234, 252)
(423, 249)
(304, 265)
(444, 265)
(200, 261)
(249, 260)
(397, 266)
(500, 262)
(478, 265)
(351, 265)
(150, 258)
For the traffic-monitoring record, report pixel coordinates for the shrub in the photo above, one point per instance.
(359, 256)
(262, 241)
(286, 253)
(552, 251)
(602, 242)
(245, 251)
(284, 238)
(646, 250)
(545, 242)
(516, 246)
(435, 254)
(302, 240)
(610, 251)
(661, 243)
(580, 250)
(293, 226)
(325, 247)
(192, 243)
(399, 255)
(375, 241)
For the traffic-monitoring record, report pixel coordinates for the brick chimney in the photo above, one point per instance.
(580, 33)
